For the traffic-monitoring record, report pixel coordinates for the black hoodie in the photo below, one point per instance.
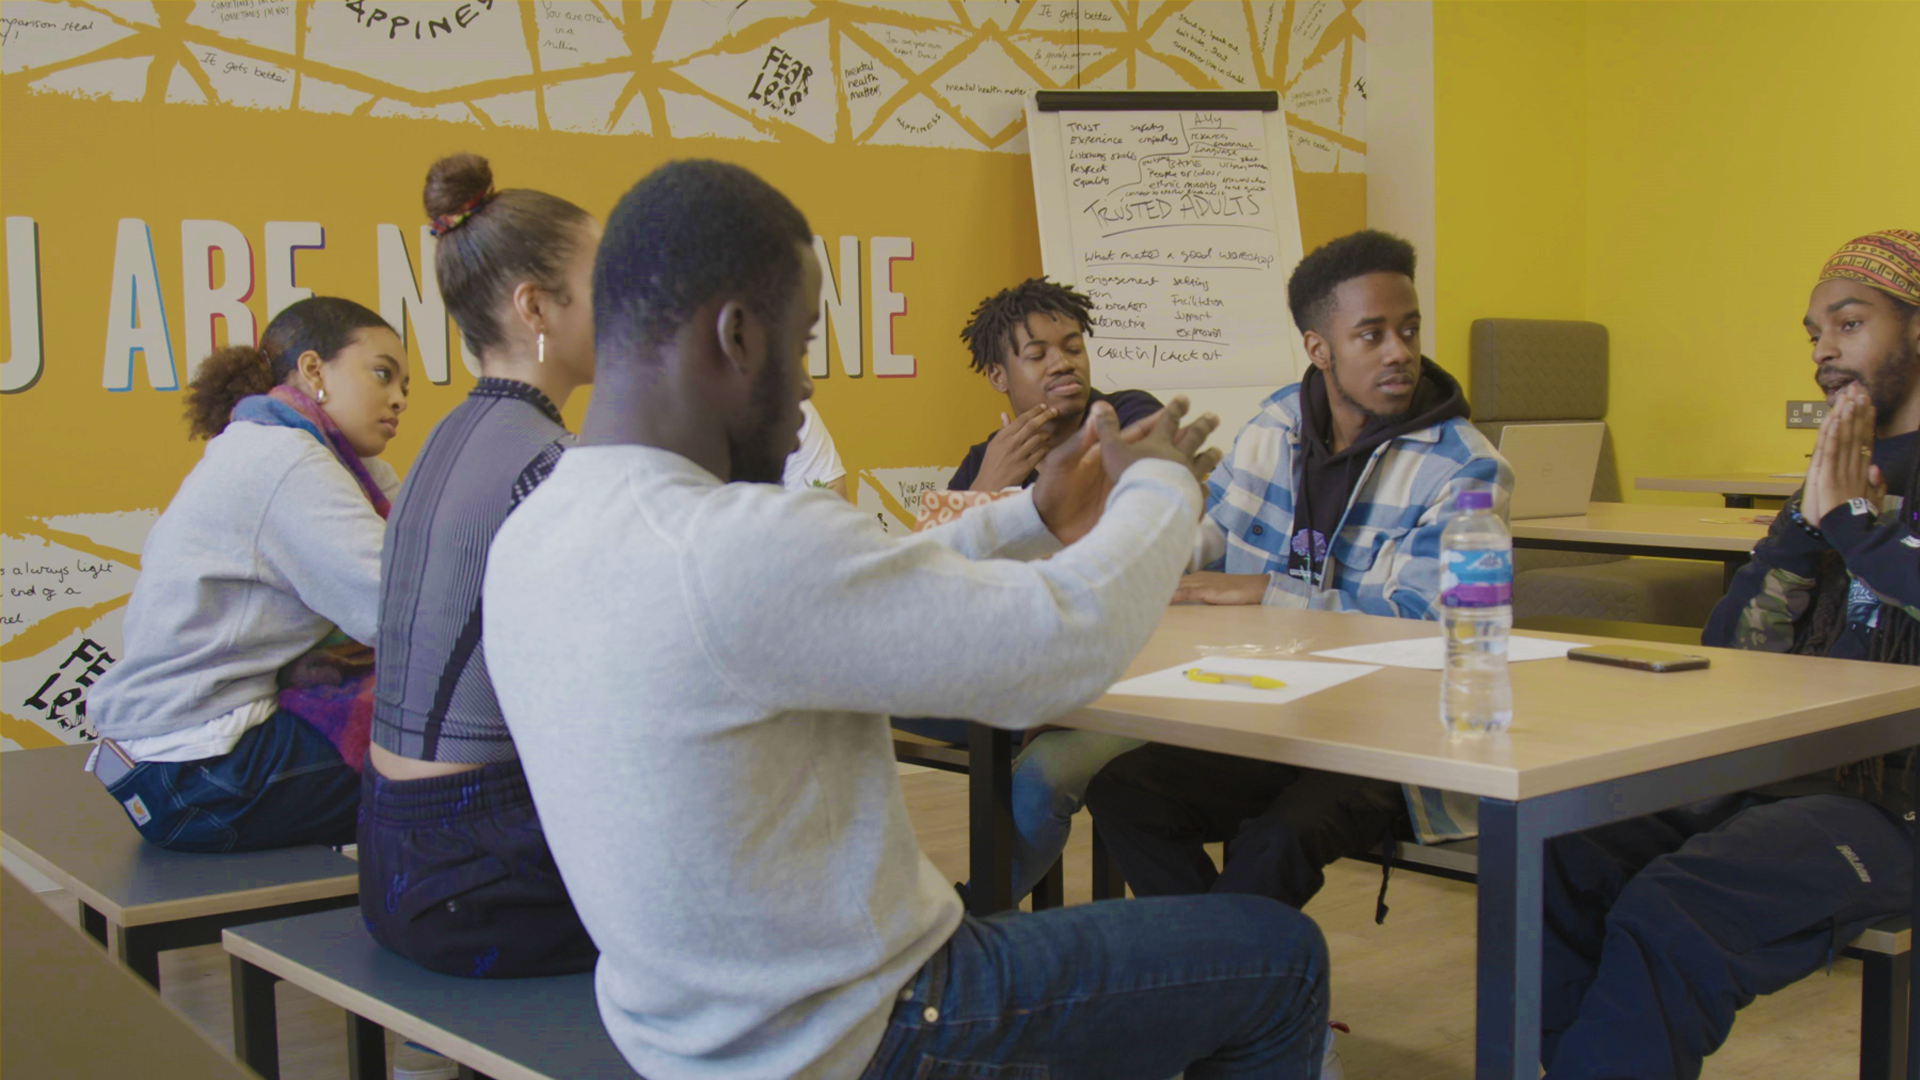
(1324, 481)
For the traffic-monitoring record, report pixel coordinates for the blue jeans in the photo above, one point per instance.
(1217, 986)
(282, 785)
(1050, 779)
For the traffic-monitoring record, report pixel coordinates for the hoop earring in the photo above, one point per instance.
(542, 346)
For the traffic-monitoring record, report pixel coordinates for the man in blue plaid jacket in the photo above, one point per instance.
(1333, 498)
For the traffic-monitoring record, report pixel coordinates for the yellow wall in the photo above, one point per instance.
(1677, 172)
(1509, 111)
(1731, 148)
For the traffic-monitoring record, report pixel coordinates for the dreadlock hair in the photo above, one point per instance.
(989, 334)
(1896, 635)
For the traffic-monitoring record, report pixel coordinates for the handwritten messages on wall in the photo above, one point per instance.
(49, 688)
(39, 578)
(1176, 224)
(910, 72)
(60, 615)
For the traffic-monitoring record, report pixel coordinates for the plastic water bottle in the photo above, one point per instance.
(1476, 596)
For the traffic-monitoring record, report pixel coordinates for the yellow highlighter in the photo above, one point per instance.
(1258, 682)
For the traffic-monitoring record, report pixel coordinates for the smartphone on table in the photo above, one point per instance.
(1637, 658)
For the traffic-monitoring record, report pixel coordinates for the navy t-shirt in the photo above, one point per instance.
(1129, 405)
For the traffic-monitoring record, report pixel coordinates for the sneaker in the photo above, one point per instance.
(415, 1062)
(1330, 1067)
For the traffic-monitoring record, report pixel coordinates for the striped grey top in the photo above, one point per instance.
(433, 700)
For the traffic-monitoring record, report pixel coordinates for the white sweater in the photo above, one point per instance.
(267, 546)
(699, 675)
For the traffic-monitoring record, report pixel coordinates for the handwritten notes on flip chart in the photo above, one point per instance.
(1182, 234)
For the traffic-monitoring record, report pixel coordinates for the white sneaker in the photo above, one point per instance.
(1330, 1067)
(415, 1062)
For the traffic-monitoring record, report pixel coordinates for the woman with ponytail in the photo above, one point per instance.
(1660, 928)
(454, 869)
(229, 724)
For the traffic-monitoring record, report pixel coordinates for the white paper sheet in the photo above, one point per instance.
(1302, 677)
(1429, 653)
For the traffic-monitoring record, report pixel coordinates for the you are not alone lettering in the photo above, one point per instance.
(213, 296)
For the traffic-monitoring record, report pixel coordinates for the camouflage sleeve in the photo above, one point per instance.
(1770, 594)
(1766, 623)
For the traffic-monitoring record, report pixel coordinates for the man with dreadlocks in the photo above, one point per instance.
(1030, 343)
(1660, 928)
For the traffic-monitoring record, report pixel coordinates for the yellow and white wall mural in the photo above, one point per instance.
(176, 172)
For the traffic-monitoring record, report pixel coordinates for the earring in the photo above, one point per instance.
(542, 346)
(321, 397)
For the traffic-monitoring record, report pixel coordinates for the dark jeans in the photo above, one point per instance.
(282, 785)
(1218, 986)
(1660, 928)
(1157, 806)
(455, 875)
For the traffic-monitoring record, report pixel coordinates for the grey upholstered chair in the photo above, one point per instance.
(1531, 370)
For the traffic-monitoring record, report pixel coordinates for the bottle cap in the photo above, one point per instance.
(1473, 500)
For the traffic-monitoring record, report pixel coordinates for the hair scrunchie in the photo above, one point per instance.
(446, 223)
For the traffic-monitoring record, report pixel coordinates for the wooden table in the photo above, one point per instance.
(60, 821)
(69, 1010)
(1661, 532)
(1738, 488)
(1590, 745)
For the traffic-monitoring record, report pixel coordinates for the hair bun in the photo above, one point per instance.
(455, 182)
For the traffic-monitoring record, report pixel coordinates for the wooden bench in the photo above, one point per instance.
(502, 1029)
(1884, 952)
(60, 821)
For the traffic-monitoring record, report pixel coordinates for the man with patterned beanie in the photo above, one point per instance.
(1658, 929)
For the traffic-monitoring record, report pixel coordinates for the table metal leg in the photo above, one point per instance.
(990, 819)
(1883, 1016)
(1108, 883)
(1507, 1044)
(137, 949)
(1911, 1069)
(366, 1049)
(94, 923)
(256, 1031)
(1051, 892)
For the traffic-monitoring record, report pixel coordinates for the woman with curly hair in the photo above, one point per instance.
(223, 729)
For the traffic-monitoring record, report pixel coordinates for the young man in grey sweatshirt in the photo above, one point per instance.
(698, 668)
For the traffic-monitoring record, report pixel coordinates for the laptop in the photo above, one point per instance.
(1553, 467)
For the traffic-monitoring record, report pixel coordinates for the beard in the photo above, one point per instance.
(1887, 383)
(1339, 390)
(757, 454)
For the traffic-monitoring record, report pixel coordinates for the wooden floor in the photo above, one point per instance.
(1405, 988)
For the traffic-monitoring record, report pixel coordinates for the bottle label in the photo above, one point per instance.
(1476, 579)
